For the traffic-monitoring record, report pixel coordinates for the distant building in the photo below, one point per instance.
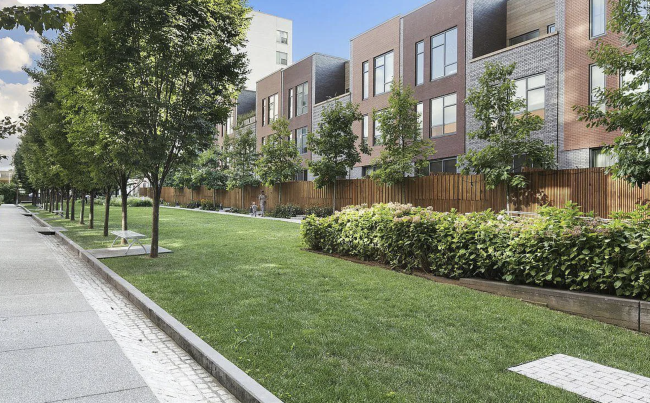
(269, 48)
(6, 175)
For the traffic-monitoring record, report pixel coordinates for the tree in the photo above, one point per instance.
(241, 157)
(211, 171)
(625, 110)
(176, 69)
(37, 18)
(279, 159)
(335, 144)
(506, 126)
(405, 150)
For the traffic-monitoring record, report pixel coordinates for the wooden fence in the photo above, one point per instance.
(590, 188)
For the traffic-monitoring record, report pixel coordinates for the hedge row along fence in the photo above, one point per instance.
(591, 188)
(559, 248)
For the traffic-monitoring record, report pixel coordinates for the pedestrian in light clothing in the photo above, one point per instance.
(262, 199)
(254, 210)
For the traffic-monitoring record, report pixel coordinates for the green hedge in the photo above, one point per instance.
(559, 248)
(285, 211)
(131, 201)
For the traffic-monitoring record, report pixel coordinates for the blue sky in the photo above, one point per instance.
(318, 26)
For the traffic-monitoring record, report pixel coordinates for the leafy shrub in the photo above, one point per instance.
(559, 248)
(193, 204)
(319, 211)
(7, 193)
(208, 205)
(285, 211)
(130, 201)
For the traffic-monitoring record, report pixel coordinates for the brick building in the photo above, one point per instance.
(440, 50)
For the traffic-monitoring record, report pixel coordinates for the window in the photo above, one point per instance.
(446, 165)
(282, 37)
(365, 82)
(290, 103)
(444, 54)
(384, 73)
(597, 18)
(550, 29)
(443, 115)
(596, 86)
(627, 82)
(420, 111)
(273, 108)
(263, 111)
(302, 175)
(301, 140)
(525, 37)
(229, 124)
(263, 140)
(598, 159)
(364, 129)
(419, 63)
(281, 58)
(302, 93)
(366, 171)
(531, 90)
(376, 135)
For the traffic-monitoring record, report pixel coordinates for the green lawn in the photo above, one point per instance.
(312, 328)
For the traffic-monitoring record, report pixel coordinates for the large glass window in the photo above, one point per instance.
(273, 108)
(598, 159)
(527, 36)
(281, 58)
(627, 83)
(420, 111)
(444, 54)
(419, 63)
(596, 86)
(445, 165)
(532, 90)
(443, 115)
(364, 129)
(365, 82)
(598, 17)
(301, 140)
(376, 135)
(302, 96)
(282, 37)
(291, 103)
(384, 70)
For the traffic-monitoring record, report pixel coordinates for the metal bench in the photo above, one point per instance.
(130, 237)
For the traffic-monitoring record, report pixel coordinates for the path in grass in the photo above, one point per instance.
(312, 328)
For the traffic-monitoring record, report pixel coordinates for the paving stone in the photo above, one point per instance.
(588, 379)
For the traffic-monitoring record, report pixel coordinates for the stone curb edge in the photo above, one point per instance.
(240, 384)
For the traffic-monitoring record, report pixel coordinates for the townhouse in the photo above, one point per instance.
(440, 50)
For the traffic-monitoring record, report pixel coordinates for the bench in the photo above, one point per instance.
(58, 212)
(130, 237)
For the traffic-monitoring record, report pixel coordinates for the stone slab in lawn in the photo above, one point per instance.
(136, 250)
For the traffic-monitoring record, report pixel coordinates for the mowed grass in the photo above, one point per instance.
(313, 328)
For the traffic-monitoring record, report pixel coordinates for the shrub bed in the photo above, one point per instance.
(559, 248)
(285, 211)
(131, 201)
(319, 211)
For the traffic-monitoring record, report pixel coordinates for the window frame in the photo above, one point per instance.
(387, 85)
(444, 123)
(376, 127)
(301, 145)
(281, 38)
(291, 101)
(302, 95)
(442, 161)
(591, 20)
(592, 159)
(551, 29)
(525, 35)
(445, 65)
(592, 100)
(263, 112)
(278, 58)
(527, 90)
(419, 64)
(419, 108)
(365, 129)
(273, 107)
(365, 80)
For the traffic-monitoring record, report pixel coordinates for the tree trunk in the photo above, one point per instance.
(334, 197)
(83, 209)
(74, 197)
(403, 189)
(214, 198)
(56, 200)
(67, 203)
(279, 193)
(107, 210)
(17, 194)
(91, 216)
(508, 199)
(242, 198)
(155, 220)
(125, 196)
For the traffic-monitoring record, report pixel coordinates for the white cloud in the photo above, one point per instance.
(8, 3)
(14, 55)
(33, 46)
(14, 99)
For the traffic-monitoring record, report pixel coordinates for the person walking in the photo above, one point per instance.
(262, 199)
(254, 210)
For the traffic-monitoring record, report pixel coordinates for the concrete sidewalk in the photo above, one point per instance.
(53, 345)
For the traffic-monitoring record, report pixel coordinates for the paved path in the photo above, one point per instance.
(293, 220)
(594, 381)
(65, 334)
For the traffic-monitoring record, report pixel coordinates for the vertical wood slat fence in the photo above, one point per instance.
(591, 188)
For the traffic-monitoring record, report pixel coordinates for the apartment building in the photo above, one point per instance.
(292, 93)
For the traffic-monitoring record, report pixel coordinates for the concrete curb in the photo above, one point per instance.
(242, 386)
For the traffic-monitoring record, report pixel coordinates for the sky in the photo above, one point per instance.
(323, 26)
